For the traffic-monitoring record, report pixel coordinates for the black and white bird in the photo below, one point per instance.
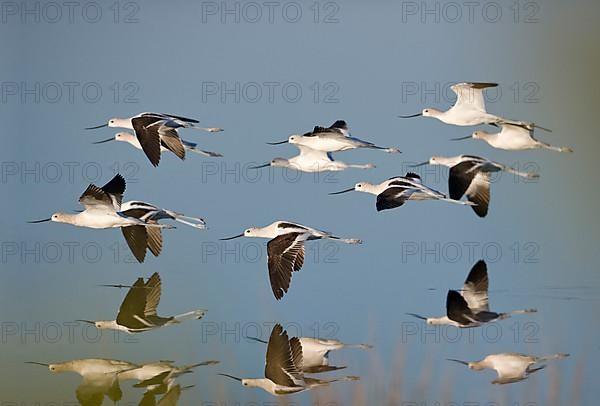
(315, 352)
(103, 209)
(283, 369)
(138, 311)
(335, 138)
(164, 147)
(510, 366)
(156, 130)
(470, 176)
(470, 306)
(469, 108)
(395, 191)
(285, 251)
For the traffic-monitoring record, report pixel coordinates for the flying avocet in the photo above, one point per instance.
(283, 369)
(395, 191)
(311, 160)
(513, 138)
(138, 310)
(469, 109)
(315, 353)
(187, 145)
(154, 130)
(334, 138)
(470, 176)
(285, 251)
(470, 307)
(510, 366)
(103, 210)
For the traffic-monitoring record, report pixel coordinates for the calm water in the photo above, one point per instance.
(263, 81)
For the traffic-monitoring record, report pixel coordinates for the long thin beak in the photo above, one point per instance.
(40, 221)
(277, 143)
(461, 138)
(260, 166)
(37, 363)
(232, 377)
(417, 165)
(103, 141)
(459, 361)
(119, 286)
(341, 191)
(411, 116)
(87, 321)
(418, 316)
(231, 238)
(98, 126)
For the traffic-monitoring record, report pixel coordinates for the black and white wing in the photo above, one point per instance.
(284, 359)
(285, 254)
(107, 197)
(475, 289)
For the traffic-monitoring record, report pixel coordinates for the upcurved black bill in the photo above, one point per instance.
(231, 238)
(87, 321)
(459, 361)
(418, 316)
(37, 363)
(98, 126)
(419, 164)
(260, 166)
(342, 191)
(232, 377)
(277, 143)
(461, 138)
(40, 221)
(103, 141)
(411, 116)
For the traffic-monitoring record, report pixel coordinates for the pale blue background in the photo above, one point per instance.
(369, 54)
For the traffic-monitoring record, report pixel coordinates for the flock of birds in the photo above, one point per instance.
(288, 359)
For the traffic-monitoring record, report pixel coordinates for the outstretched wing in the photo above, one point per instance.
(470, 95)
(458, 310)
(475, 289)
(285, 255)
(284, 359)
(107, 197)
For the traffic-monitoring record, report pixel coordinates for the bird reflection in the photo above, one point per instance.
(470, 307)
(100, 378)
(138, 310)
(511, 367)
(315, 353)
(284, 367)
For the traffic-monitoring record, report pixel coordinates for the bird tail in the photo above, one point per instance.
(204, 152)
(361, 166)
(358, 346)
(463, 202)
(344, 240)
(195, 314)
(320, 382)
(207, 129)
(506, 315)
(530, 175)
(551, 357)
(187, 368)
(195, 222)
(553, 148)
(389, 150)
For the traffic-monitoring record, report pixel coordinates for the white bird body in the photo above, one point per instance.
(90, 366)
(335, 138)
(156, 213)
(515, 138)
(311, 160)
(510, 366)
(469, 109)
